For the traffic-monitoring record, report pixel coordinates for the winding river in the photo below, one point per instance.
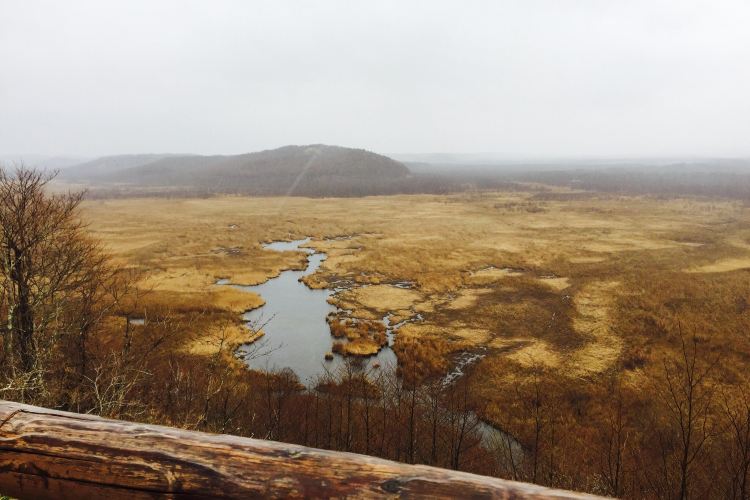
(297, 335)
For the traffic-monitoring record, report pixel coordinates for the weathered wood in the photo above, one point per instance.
(53, 454)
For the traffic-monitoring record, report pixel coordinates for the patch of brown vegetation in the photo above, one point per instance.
(216, 338)
(364, 337)
(463, 254)
(594, 321)
(723, 266)
(362, 347)
(375, 301)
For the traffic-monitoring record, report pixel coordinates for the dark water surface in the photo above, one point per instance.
(294, 319)
(298, 336)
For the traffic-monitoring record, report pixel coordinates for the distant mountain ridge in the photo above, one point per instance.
(313, 170)
(105, 165)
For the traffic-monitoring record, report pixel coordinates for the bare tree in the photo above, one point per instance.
(688, 397)
(462, 422)
(614, 441)
(50, 272)
(736, 410)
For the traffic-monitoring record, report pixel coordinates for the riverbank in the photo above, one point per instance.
(530, 289)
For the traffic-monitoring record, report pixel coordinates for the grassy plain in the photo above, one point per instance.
(575, 286)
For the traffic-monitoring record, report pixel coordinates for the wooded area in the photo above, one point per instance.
(54, 454)
(666, 417)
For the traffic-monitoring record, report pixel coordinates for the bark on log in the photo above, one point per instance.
(53, 454)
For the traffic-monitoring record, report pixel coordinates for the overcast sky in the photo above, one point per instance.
(523, 78)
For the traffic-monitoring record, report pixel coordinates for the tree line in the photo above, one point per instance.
(69, 342)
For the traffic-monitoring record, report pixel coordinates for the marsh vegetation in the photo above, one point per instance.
(603, 336)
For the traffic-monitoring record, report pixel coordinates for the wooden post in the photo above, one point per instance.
(53, 454)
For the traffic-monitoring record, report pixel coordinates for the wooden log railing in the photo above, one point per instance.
(54, 454)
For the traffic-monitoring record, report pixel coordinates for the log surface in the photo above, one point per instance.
(54, 454)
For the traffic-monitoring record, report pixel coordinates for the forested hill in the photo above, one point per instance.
(314, 170)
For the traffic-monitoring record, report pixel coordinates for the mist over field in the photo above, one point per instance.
(506, 238)
(651, 94)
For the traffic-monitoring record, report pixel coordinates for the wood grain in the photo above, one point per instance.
(53, 454)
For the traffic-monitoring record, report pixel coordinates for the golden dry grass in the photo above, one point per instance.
(218, 337)
(594, 320)
(467, 298)
(361, 347)
(536, 354)
(375, 301)
(556, 283)
(535, 287)
(722, 266)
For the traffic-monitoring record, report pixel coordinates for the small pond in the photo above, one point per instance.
(297, 335)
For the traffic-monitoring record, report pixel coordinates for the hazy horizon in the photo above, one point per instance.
(487, 159)
(536, 79)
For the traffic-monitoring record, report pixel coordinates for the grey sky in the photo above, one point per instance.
(525, 77)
